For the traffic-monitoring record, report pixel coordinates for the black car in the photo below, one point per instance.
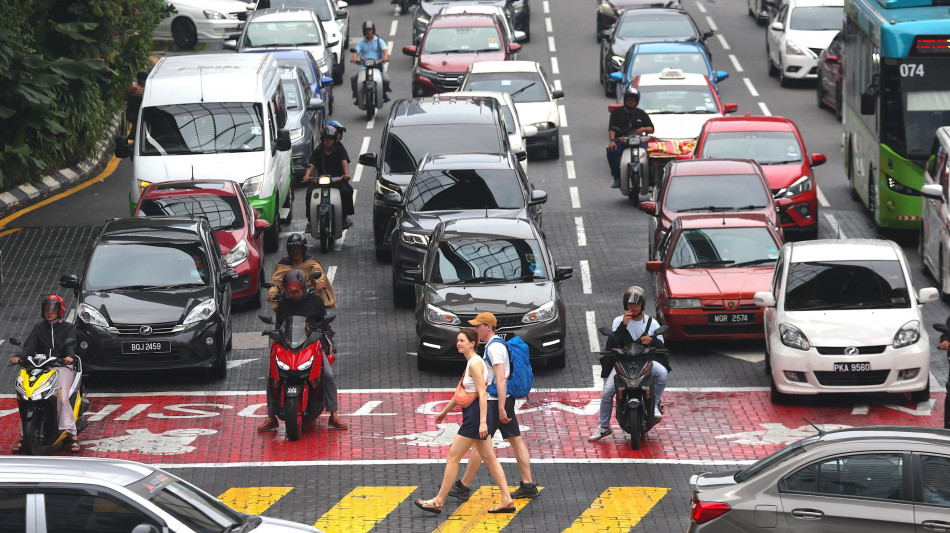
(608, 11)
(455, 186)
(644, 26)
(440, 124)
(154, 294)
(517, 11)
(498, 265)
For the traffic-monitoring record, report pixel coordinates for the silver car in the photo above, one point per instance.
(871, 479)
(285, 28)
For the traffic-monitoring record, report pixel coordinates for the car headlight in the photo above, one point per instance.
(425, 73)
(907, 335)
(617, 61)
(793, 337)
(307, 365)
(202, 311)
(793, 49)
(237, 255)
(542, 314)
(684, 303)
(91, 315)
(422, 20)
(803, 184)
(282, 365)
(214, 15)
(296, 134)
(415, 239)
(252, 185)
(143, 185)
(441, 316)
(542, 126)
(899, 187)
(383, 189)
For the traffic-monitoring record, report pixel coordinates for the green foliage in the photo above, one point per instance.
(64, 66)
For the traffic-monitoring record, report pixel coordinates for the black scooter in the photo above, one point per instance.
(634, 381)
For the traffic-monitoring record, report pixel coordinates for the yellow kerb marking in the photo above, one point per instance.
(473, 515)
(617, 509)
(253, 500)
(363, 508)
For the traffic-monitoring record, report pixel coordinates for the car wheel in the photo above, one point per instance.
(421, 362)
(402, 296)
(338, 74)
(783, 81)
(527, 30)
(778, 398)
(289, 204)
(768, 362)
(850, 171)
(220, 368)
(184, 34)
(921, 395)
(872, 194)
(820, 93)
(768, 59)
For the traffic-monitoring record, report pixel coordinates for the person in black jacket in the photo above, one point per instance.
(945, 345)
(57, 338)
(330, 159)
(625, 120)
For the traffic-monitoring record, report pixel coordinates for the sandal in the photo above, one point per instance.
(427, 506)
(74, 445)
(496, 509)
(18, 447)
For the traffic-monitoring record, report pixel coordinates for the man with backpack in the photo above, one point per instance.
(497, 352)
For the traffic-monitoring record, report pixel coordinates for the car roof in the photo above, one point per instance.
(192, 187)
(184, 228)
(703, 167)
(906, 434)
(503, 66)
(486, 228)
(674, 11)
(79, 468)
(658, 79)
(719, 220)
(462, 20)
(466, 161)
(843, 250)
(750, 123)
(792, 4)
(444, 109)
(668, 47)
(283, 13)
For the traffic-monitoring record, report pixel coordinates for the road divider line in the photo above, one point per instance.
(364, 147)
(566, 146)
(569, 167)
(765, 109)
(585, 277)
(700, 7)
(748, 84)
(835, 227)
(547, 25)
(371, 122)
(581, 236)
(392, 28)
(253, 500)
(590, 318)
(551, 47)
(618, 509)
(331, 273)
(555, 68)
(562, 111)
(9, 232)
(363, 508)
(722, 41)
(712, 23)
(557, 84)
(546, 7)
(575, 198)
(822, 201)
(735, 62)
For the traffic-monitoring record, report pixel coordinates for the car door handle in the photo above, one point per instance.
(935, 525)
(807, 514)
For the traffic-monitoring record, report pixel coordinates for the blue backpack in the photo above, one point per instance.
(521, 377)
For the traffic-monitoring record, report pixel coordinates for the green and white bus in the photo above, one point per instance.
(896, 94)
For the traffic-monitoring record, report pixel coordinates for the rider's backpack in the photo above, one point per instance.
(521, 377)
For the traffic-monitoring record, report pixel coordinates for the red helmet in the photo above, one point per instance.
(295, 280)
(53, 302)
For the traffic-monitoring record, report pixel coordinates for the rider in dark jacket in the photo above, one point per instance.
(945, 345)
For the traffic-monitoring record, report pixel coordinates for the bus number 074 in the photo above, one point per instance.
(910, 70)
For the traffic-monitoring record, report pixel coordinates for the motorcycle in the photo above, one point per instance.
(369, 90)
(404, 5)
(634, 381)
(38, 402)
(326, 212)
(296, 365)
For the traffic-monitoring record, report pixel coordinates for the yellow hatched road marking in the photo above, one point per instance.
(617, 509)
(253, 500)
(361, 509)
(473, 515)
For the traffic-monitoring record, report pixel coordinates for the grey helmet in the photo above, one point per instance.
(634, 295)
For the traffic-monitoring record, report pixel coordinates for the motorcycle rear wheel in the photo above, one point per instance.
(633, 421)
(292, 419)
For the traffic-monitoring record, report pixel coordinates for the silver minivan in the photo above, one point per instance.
(935, 212)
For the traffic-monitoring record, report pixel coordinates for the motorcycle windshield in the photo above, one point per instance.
(294, 331)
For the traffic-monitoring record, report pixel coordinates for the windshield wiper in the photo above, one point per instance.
(721, 262)
(480, 50)
(780, 162)
(451, 52)
(762, 261)
(816, 307)
(477, 279)
(154, 287)
(178, 286)
(523, 89)
(747, 207)
(700, 112)
(531, 277)
(712, 208)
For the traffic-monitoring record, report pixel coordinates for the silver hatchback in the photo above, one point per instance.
(872, 479)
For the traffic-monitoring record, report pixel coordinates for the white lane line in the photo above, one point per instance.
(359, 168)
(569, 167)
(557, 84)
(833, 222)
(546, 7)
(765, 109)
(392, 28)
(585, 277)
(700, 7)
(822, 201)
(575, 198)
(547, 25)
(748, 84)
(331, 273)
(581, 236)
(722, 41)
(70, 316)
(563, 112)
(551, 47)
(566, 146)
(555, 68)
(735, 62)
(371, 122)
(712, 23)
(591, 319)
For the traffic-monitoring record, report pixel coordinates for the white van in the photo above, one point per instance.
(935, 212)
(216, 116)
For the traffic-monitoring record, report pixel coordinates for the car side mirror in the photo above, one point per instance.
(529, 131)
(413, 274)
(818, 159)
(230, 44)
(616, 77)
(730, 108)
(342, 13)
(520, 36)
(721, 75)
(783, 203)
(69, 281)
(654, 266)
(538, 197)
(708, 33)
(368, 160)
(763, 299)
(942, 328)
(122, 148)
(260, 225)
(228, 275)
(315, 103)
(392, 199)
(410, 50)
(563, 273)
(514, 47)
(145, 528)
(932, 190)
(520, 155)
(557, 94)
(283, 140)
(777, 26)
(927, 295)
(648, 208)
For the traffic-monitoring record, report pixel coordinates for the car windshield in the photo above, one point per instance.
(660, 99)
(724, 248)
(406, 146)
(846, 285)
(320, 7)
(292, 94)
(817, 18)
(190, 505)
(776, 458)
(656, 27)
(446, 190)
(304, 65)
(522, 86)
(488, 261)
(462, 40)
(223, 212)
(688, 62)
(765, 147)
(726, 192)
(203, 128)
(282, 34)
(139, 265)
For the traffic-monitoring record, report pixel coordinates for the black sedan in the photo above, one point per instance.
(608, 11)
(154, 294)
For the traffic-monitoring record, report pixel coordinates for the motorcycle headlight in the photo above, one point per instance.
(91, 315)
(542, 126)
(252, 185)
(307, 365)
(415, 239)
(44, 388)
(684, 303)
(296, 134)
(907, 335)
(425, 73)
(202, 311)
(617, 61)
(803, 184)
(214, 15)
(542, 314)
(793, 49)
(237, 255)
(793, 337)
(441, 316)
(281, 365)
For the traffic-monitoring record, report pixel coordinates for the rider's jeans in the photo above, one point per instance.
(64, 411)
(614, 154)
(660, 378)
(329, 391)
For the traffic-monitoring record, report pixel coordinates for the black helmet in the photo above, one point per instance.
(328, 132)
(296, 239)
(368, 25)
(295, 280)
(632, 92)
(634, 295)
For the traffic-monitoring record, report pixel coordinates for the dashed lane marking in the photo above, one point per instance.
(551, 47)
(555, 68)
(835, 227)
(566, 146)
(618, 509)
(581, 236)
(765, 109)
(547, 25)
(748, 84)
(253, 500)
(562, 111)
(364, 147)
(735, 62)
(575, 198)
(592, 337)
(331, 273)
(363, 508)
(585, 277)
(700, 7)
(557, 84)
(822, 201)
(569, 168)
(392, 28)
(546, 7)
(712, 23)
(722, 41)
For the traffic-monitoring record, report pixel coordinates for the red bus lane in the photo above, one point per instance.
(214, 428)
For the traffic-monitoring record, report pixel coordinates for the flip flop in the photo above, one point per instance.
(496, 510)
(426, 505)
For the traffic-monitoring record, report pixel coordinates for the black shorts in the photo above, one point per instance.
(510, 429)
(471, 418)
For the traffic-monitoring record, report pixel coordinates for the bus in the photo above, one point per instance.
(896, 94)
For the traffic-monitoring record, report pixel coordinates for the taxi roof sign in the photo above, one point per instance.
(672, 73)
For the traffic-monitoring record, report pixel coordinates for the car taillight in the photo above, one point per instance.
(702, 512)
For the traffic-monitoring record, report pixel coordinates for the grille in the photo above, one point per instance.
(784, 218)
(745, 329)
(157, 329)
(839, 350)
(852, 379)
(504, 321)
(448, 81)
(722, 308)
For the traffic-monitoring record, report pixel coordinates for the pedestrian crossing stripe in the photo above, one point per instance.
(616, 509)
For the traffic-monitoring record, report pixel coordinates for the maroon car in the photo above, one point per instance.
(830, 75)
(238, 229)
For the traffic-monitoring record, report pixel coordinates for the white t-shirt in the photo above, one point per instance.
(468, 383)
(497, 353)
(637, 327)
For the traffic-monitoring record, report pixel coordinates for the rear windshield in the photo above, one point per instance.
(282, 34)
(465, 189)
(732, 192)
(764, 147)
(204, 128)
(406, 146)
(656, 27)
(223, 212)
(846, 285)
(689, 62)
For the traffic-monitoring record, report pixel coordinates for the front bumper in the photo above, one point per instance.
(696, 324)
(545, 340)
(804, 67)
(217, 30)
(189, 349)
(802, 217)
(442, 83)
(247, 283)
(544, 139)
(405, 257)
(300, 158)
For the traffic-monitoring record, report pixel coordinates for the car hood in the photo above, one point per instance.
(811, 39)
(730, 283)
(237, 167)
(498, 298)
(445, 63)
(428, 220)
(868, 327)
(146, 307)
(228, 239)
(781, 176)
(685, 126)
(534, 112)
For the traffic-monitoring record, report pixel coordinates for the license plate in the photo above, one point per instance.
(852, 367)
(731, 318)
(293, 390)
(130, 348)
(503, 336)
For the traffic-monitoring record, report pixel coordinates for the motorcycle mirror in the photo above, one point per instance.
(942, 328)
(661, 330)
(316, 275)
(266, 284)
(605, 331)
(16, 342)
(265, 319)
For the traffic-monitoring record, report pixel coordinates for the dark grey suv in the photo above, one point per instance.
(455, 186)
(498, 265)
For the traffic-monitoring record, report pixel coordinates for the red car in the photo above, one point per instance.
(708, 269)
(450, 44)
(831, 75)
(239, 231)
(720, 186)
(776, 145)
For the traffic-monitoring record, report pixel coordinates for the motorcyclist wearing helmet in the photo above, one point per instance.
(56, 337)
(625, 120)
(371, 47)
(298, 258)
(632, 326)
(301, 302)
(330, 159)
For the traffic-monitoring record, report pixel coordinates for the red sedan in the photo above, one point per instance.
(776, 145)
(239, 231)
(709, 268)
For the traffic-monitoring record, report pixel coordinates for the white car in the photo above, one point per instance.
(517, 133)
(800, 31)
(202, 20)
(532, 93)
(842, 317)
(336, 25)
(285, 28)
(679, 103)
